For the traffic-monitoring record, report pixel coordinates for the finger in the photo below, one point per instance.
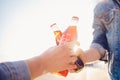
(73, 55)
(71, 44)
(70, 67)
(71, 70)
(77, 43)
(73, 59)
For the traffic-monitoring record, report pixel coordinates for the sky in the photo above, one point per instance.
(25, 25)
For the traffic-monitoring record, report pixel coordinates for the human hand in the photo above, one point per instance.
(59, 58)
(79, 62)
(54, 59)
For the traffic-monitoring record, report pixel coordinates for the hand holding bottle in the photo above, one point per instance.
(69, 36)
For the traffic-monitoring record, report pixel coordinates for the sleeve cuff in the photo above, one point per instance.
(19, 70)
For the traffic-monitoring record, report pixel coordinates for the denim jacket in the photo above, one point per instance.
(106, 35)
(14, 71)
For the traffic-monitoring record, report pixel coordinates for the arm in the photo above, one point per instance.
(14, 71)
(89, 55)
(99, 44)
(55, 59)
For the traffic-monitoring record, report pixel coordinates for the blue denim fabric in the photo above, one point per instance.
(106, 35)
(14, 71)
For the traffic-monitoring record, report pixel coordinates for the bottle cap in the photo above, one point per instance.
(53, 24)
(75, 18)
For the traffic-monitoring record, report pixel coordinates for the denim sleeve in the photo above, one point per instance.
(99, 34)
(14, 71)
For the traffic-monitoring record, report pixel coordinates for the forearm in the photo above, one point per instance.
(89, 55)
(54, 59)
(36, 66)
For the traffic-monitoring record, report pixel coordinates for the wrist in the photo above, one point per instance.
(80, 65)
(36, 66)
(82, 56)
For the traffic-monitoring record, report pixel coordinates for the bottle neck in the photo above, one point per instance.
(54, 27)
(74, 23)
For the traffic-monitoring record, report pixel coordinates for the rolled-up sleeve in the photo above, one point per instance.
(17, 70)
(99, 34)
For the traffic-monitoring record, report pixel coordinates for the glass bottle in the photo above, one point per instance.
(57, 32)
(70, 35)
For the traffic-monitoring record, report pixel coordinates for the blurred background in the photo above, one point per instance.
(25, 31)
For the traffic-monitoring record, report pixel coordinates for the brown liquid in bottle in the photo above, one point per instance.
(58, 35)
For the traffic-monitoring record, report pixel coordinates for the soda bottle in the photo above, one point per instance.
(70, 35)
(58, 35)
(57, 32)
